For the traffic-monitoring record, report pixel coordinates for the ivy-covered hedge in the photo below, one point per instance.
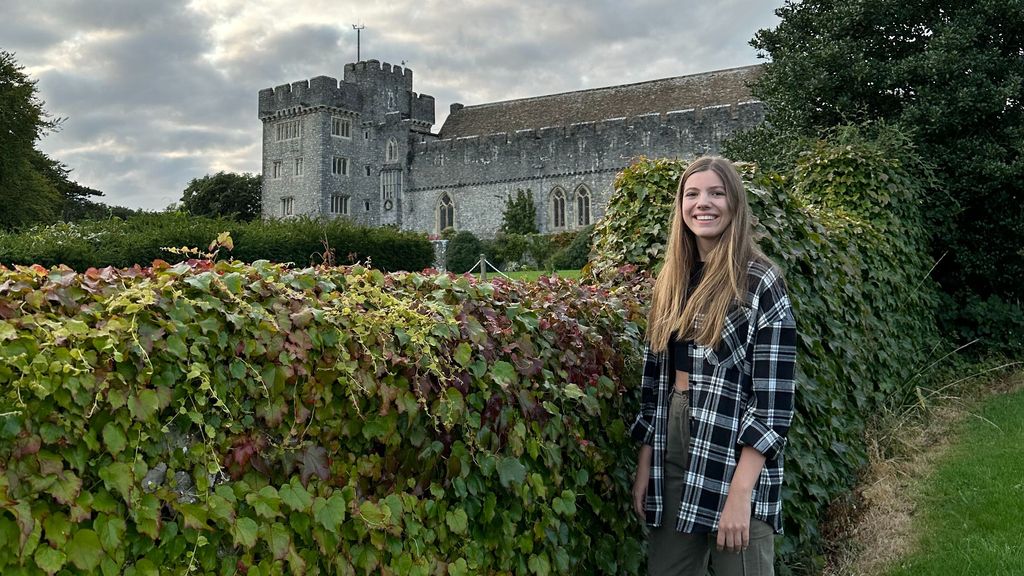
(142, 239)
(230, 418)
(845, 227)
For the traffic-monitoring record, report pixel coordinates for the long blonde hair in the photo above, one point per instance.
(700, 316)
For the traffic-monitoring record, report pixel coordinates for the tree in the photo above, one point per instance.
(224, 194)
(520, 216)
(28, 192)
(951, 72)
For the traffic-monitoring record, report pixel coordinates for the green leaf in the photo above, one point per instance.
(266, 502)
(50, 560)
(458, 568)
(143, 405)
(296, 497)
(330, 513)
(539, 564)
(463, 354)
(511, 470)
(457, 520)
(279, 539)
(85, 550)
(503, 373)
(244, 532)
(147, 515)
(110, 530)
(56, 527)
(117, 476)
(114, 438)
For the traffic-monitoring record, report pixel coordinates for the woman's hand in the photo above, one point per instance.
(643, 478)
(734, 525)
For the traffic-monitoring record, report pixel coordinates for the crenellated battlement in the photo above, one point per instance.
(315, 92)
(378, 73)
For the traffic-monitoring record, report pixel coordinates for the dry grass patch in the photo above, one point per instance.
(874, 526)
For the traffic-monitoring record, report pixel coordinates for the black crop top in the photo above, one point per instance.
(680, 348)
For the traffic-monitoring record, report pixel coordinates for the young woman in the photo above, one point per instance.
(717, 390)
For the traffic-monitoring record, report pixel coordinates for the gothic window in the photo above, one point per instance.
(391, 155)
(339, 205)
(390, 187)
(340, 166)
(557, 208)
(298, 166)
(583, 206)
(368, 169)
(288, 130)
(341, 127)
(276, 169)
(287, 206)
(445, 213)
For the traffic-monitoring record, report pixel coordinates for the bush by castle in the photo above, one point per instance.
(845, 226)
(224, 418)
(142, 239)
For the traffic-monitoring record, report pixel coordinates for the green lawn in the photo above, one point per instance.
(535, 274)
(972, 507)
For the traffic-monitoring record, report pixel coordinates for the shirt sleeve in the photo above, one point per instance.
(766, 420)
(642, 429)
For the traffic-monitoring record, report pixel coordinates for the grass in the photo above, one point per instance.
(531, 275)
(971, 508)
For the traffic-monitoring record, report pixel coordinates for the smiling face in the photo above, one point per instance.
(705, 209)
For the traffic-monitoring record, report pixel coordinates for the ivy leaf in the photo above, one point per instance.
(57, 527)
(144, 405)
(511, 470)
(67, 487)
(175, 345)
(118, 476)
(147, 516)
(458, 568)
(539, 564)
(463, 354)
(313, 462)
(244, 532)
(296, 497)
(279, 539)
(503, 373)
(266, 502)
(457, 520)
(50, 560)
(330, 513)
(110, 530)
(85, 550)
(114, 438)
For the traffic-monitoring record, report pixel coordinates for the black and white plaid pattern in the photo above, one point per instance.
(741, 394)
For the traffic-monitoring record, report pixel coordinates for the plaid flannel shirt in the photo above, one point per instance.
(741, 394)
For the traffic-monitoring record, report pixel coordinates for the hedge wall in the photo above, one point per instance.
(231, 418)
(142, 239)
(844, 225)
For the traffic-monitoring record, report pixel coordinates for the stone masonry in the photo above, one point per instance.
(565, 148)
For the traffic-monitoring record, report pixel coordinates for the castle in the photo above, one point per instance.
(363, 148)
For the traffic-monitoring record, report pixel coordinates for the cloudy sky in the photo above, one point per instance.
(157, 92)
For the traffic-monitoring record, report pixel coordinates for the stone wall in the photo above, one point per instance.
(478, 173)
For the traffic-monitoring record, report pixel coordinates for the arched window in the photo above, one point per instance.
(557, 208)
(445, 213)
(391, 154)
(583, 206)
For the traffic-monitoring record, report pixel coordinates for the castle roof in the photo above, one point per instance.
(715, 88)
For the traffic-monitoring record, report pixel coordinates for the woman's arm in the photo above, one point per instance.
(643, 477)
(734, 525)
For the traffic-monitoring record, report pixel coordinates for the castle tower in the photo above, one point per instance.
(341, 149)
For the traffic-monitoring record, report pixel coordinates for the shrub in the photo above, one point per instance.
(844, 225)
(464, 251)
(223, 418)
(142, 239)
(520, 215)
(576, 254)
